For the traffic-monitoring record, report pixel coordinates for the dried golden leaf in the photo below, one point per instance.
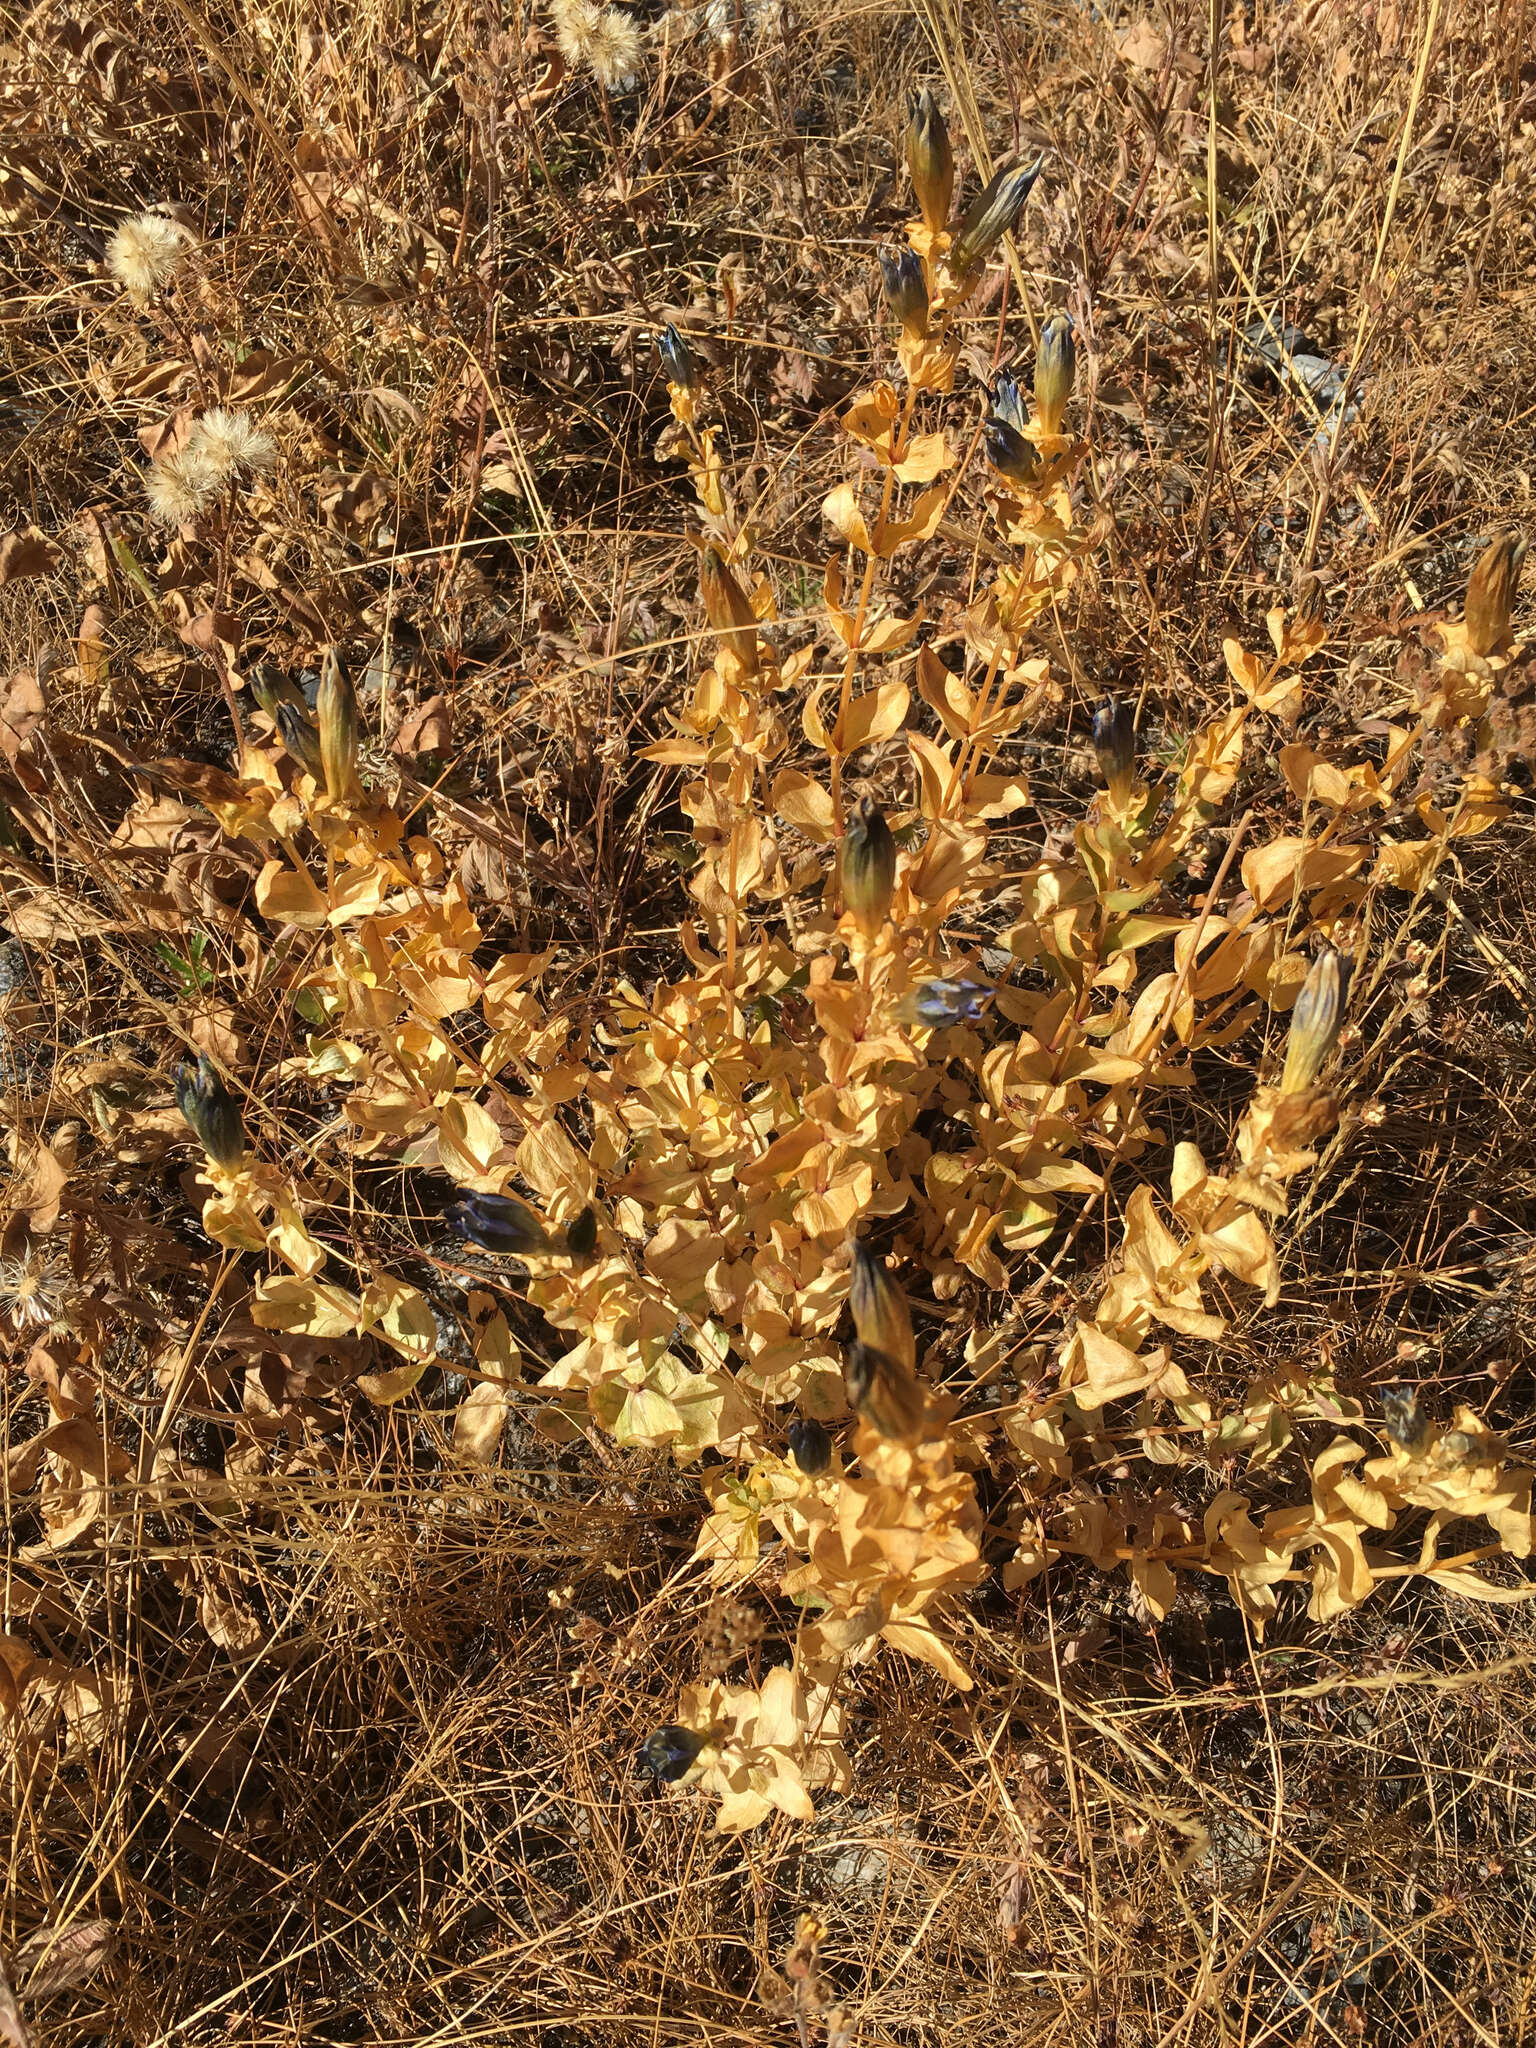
(402, 1317)
(806, 805)
(310, 1308)
(286, 895)
(927, 455)
(26, 551)
(918, 1640)
(841, 509)
(479, 1422)
(874, 716)
(469, 1143)
(383, 1389)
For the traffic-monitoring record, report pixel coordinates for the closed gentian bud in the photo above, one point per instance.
(1315, 1022)
(880, 1313)
(728, 610)
(869, 866)
(336, 718)
(1400, 1412)
(930, 159)
(497, 1224)
(1008, 403)
(670, 1753)
(1055, 368)
(939, 1002)
(883, 1393)
(1491, 593)
(581, 1235)
(906, 290)
(676, 358)
(298, 735)
(271, 689)
(810, 1444)
(992, 214)
(1009, 452)
(1114, 743)
(210, 1109)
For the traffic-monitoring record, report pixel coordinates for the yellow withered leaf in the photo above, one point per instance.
(874, 716)
(383, 1389)
(286, 895)
(309, 1308)
(917, 1639)
(840, 508)
(469, 1142)
(927, 455)
(401, 1316)
(806, 805)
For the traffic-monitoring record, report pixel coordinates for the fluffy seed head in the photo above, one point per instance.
(143, 253)
(606, 39)
(231, 443)
(181, 486)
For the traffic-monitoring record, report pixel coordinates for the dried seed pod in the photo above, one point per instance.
(883, 1393)
(677, 359)
(1315, 1021)
(1055, 370)
(930, 160)
(1009, 452)
(670, 1753)
(869, 866)
(298, 735)
(992, 214)
(906, 290)
(496, 1223)
(810, 1445)
(210, 1109)
(336, 720)
(1114, 745)
(728, 610)
(1491, 593)
(880, 1312)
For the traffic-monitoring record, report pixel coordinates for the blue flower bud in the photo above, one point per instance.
(992, 214)
(869, 866)
(210, 1109)
(299, 737)
(670, 1753)
(496, 1223)
(1055, 369)
(939, 1002)
(1114, 743)
(810, 1445)
(906, 289)
(930, 159)
(677, 358)
(1009, 453)
(1009, 403)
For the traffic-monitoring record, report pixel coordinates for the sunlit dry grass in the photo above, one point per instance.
(337, 1727)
